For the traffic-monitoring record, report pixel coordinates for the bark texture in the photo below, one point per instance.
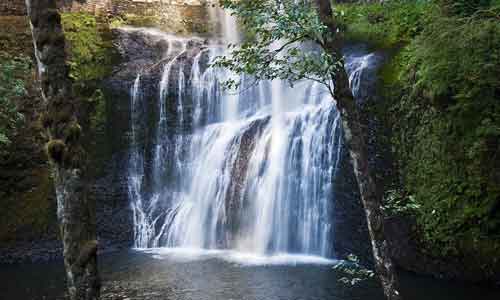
(356, 141)
(75, 212)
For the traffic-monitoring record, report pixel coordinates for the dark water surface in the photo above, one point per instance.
(137, 275)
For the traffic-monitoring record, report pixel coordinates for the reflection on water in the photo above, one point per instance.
(183, 274)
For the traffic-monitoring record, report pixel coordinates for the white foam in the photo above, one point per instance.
(243, 259)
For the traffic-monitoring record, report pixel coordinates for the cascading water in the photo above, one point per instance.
(142, 229)
(250, 170)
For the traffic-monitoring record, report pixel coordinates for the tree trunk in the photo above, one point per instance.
(355, 139)
(75, 212)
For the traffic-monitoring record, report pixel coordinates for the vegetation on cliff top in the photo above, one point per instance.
(384, 25)
(442, 105)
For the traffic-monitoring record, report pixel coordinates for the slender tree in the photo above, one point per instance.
(276, 33)
(75, 211)
(355, 138)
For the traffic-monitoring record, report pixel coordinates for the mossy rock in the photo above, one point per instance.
(91, 52)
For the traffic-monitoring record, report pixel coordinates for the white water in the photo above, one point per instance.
(143, 231)
(249, 170)
(236, 257)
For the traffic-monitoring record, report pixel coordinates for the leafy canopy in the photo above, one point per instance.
(284, 39)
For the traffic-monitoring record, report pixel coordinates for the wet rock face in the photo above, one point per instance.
(144, 52)
(234, 206)
(147, 52)
(351, 231)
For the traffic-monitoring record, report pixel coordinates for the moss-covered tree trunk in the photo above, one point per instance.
(355, 138)
(75, 212)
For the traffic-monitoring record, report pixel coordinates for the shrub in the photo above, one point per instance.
(13, 71)
(383, 24)
(446, 123)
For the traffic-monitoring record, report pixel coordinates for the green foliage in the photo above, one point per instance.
(13, 71)
(397, 202)
(384, 24)
(276, 30)
(467, 7)
(353, 272)
(444, 110)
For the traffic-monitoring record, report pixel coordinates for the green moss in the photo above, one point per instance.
(91, 50)
(55, 150)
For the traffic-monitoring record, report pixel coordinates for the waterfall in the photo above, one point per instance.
(143, 231)
(250, 170)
